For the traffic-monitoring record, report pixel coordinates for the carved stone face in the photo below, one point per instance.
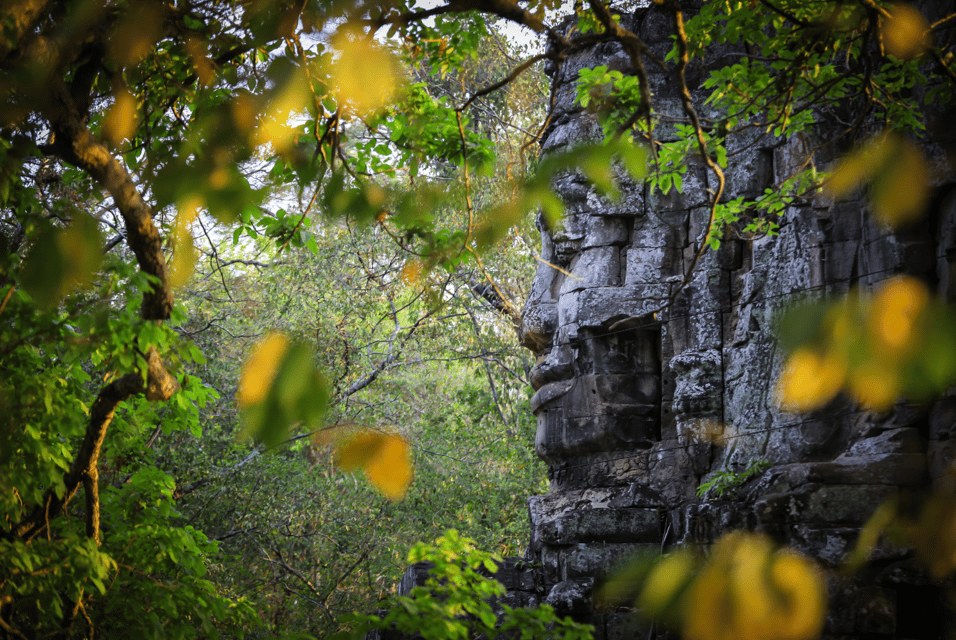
(589, 319)
(636, 411)
(598, 371)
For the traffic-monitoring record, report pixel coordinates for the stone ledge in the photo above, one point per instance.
(599, 525)
(901, 469)
(816, 503)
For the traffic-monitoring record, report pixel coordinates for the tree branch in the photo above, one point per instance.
(75, 144)
(101, 414)
(21, 16)
(160, 385)
(682, 60)
(636, 50)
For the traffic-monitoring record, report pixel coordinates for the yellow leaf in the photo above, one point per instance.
(291, 99)
(664, 582)
(184, 257)
(412, 272)
(801, 611)
(901, 190)
(385, 458)
(875, 385)
(809, 380)
(906, 33)
(709, 611)
(871, 532)
(202, 63)
(752, 599)
(935, 535)
(896, 311)
(120, 121)
(81, 245)
(136, 33)
(260, 369)
(363, 75)
(858, 168)
(747, 592)
(244, 112)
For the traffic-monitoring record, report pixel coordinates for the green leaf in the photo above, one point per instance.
(280, 387)
(62, 259)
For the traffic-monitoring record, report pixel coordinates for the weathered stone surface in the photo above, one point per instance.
(603, 231)
(857, 609)
(571, 597)
(644, 396)
(836, 504)
(604, 305)
(592, 268)
(648, 386)
(600, 525)
(601, 560)
(907, 469)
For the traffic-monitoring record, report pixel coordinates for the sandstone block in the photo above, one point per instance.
(605, 231)
(598, 267)
(601, 560)
(600, 525)
(571, 597)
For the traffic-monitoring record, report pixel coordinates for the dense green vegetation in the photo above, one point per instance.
(302, 540)
(341, 190)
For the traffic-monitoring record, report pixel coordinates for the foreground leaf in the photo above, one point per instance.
(385, 459)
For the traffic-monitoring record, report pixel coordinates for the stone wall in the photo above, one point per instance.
(629, 402)
(637, 406)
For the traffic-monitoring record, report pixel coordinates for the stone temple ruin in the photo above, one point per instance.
(624, 400)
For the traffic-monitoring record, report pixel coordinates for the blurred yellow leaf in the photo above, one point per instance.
(184, 256)
(901, 190)
(896, 310)
(745, 560)
(136, 33)
(385, 459)
(363, 75)
(880, 347)
(934, 535)
(260, 369)
(120, 121)
(749, 592)
(62, 259)
(709, 614)
(665, 582)
(858, 168)
(898, 174)
(498, 221)
(412, 272)
(244, 112)
(906, 33)
(81, 245)
(931, 530)
(809, 380)
(871, 532)
(202, 63)
(279, 389)
(875, 385)
(292, 98)
(801, 602)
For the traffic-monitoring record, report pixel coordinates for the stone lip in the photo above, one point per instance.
(550, 392)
